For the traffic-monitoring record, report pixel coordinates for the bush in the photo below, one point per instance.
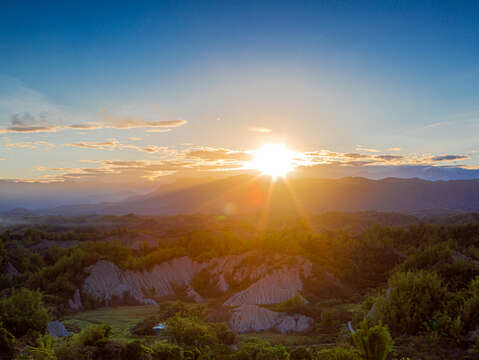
(23, 312)
(190, 331)
(224, 333)
(372, 342)
(470, 313)
(413, 302)
(3, 255)
(256, 349)
(45, 349)
(7, 342)
(337, 353)
(162, 350)
(92, 335)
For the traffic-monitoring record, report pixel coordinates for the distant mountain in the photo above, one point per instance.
(245, 194)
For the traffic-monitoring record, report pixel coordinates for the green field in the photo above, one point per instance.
(121, 319)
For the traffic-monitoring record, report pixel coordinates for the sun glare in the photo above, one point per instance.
(275, 160)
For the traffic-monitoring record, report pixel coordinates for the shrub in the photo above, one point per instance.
(190, 331)
(23, 312)
(7, 342)
(3, 255)
(337, 353)
(224, 333)
(256, 349)
(45, 349)
(161, 350)
(413, 302)
(92, 335)
(372, 342)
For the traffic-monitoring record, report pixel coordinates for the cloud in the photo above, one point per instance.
(212, 154)
(394, 149)
(355, 155)
(87, 126)
(433, 125)
(389, 157)
(135, 138)
(158, 130)
(106, 145)
(125, 122)
(27, 123)
(30, 145)
(449, 157)
(259, 129)
(151, 149)
(366, 149)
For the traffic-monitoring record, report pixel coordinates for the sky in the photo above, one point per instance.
(132, 91)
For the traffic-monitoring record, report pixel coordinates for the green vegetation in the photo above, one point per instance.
(421, 280)
(23, 312)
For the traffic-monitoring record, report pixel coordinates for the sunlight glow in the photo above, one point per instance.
(275, 160)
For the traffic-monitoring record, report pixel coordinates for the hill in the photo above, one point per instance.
(246, 194)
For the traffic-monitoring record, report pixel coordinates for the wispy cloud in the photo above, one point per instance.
(367, 149)
(215, 154)
(105, 145)
(394, 149)
(158, 130)
(449, 157)
(150, 149)
(437, 124)
(259, 129)
(29, 145)
(126, 122)
(27, 123)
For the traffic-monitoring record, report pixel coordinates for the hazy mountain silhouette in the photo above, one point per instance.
(247, 194)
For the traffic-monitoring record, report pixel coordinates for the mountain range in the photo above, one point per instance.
(245, 194)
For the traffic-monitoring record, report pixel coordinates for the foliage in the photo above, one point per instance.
(23, 312)
(337, 353)
(163, 350)
(190, 331)
(45, 349)
(414, 300)
(3, 255)
(7, 341)
(93, 335)
(256, 349)
(372, 342)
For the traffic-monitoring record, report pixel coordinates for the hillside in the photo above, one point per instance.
(245, 195)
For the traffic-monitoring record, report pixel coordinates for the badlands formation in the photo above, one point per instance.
(259, 280)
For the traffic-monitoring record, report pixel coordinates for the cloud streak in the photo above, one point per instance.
(259, 129)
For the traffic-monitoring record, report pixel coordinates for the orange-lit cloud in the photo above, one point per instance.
(259, 129)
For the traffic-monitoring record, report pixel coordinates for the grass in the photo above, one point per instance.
(121, 319)
(288, 340)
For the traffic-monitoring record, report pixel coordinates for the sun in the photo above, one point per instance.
(275, 160)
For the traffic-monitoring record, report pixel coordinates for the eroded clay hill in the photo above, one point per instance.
(246, 281)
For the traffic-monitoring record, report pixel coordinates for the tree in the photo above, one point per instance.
(23, 312)
(7, 342)
(372, 342)
(3, 255)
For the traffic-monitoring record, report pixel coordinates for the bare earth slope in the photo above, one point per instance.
(265, 280)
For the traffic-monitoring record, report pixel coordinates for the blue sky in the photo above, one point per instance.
(152, 82)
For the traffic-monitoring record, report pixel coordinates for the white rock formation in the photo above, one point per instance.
(75, 303)
(274, 288)
(275, 279)
(106, 281)
(252, 318)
